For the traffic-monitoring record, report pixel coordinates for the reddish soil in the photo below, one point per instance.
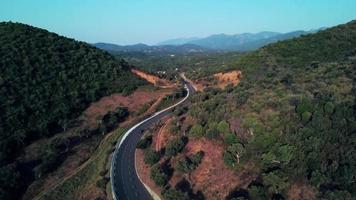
(159, 82)
(224, 79)
(301, 191)
(218, 80)
(213, 177)
(80, 154)
(144, 172)
(109, 103)
(161, 138)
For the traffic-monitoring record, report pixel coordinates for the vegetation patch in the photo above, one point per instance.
(94, 173)
(46, 83)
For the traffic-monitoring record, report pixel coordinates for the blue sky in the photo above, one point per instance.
(151, 21)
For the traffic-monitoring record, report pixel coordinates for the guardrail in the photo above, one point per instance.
(122, 139)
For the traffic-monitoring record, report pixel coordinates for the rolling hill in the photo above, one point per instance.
(160, 49)
(211, 44)
(292, 118)
(46, 81)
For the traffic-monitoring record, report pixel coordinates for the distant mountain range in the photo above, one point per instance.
(217, 42)
(170, 49)
(237, 42)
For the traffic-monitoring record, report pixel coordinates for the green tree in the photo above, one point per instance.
(187, 164)
(184, 165)
(151, 157)
(197, 130)
(306, 116)
(233, 154)
(212, 132)
(276, 182)
(145, 142)
(256, 192)
(47, 81)
(197, 157)
(304, 106)
(174, 147)
(158, 175)
(223, 127)
(329, 108)
(230, 139)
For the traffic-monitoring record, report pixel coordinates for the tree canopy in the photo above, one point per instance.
(46, 81)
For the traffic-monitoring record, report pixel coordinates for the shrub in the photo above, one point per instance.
(257, 192)
(151, 157)
(51, 158)
(304, 106)
(101, 183)
(175, 146)
(223, 127)
(158, 175)
(103, 172)
(196, 158)
(276, 182)
(242, 98)
(230, 139)
(212, 133)
(145, 142)
(184, 165)
(306, 117)
(233, 154)
(187, 164)
(197, 130)
(329, 108)
(111, 119)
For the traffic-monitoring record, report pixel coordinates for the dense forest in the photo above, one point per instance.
(198, 64)
(295, 107)
(46, 81)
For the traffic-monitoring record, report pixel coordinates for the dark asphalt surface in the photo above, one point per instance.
(125, 182)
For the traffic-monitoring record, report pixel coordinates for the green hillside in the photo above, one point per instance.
(46, 81)
(295, 107)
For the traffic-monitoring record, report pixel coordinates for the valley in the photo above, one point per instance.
(249, 116)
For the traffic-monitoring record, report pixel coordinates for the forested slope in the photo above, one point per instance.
(295, 111)
(46, 81)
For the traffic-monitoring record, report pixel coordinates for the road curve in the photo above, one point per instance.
(125, 183)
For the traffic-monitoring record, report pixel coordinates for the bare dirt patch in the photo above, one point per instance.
(159, 82)
(224, 79)
(218, 80)
(133, 102)
(161, 138)
(212, 177)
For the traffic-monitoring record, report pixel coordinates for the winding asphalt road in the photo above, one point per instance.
(125, 183)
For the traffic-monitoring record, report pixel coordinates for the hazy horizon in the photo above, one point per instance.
(132, 22)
